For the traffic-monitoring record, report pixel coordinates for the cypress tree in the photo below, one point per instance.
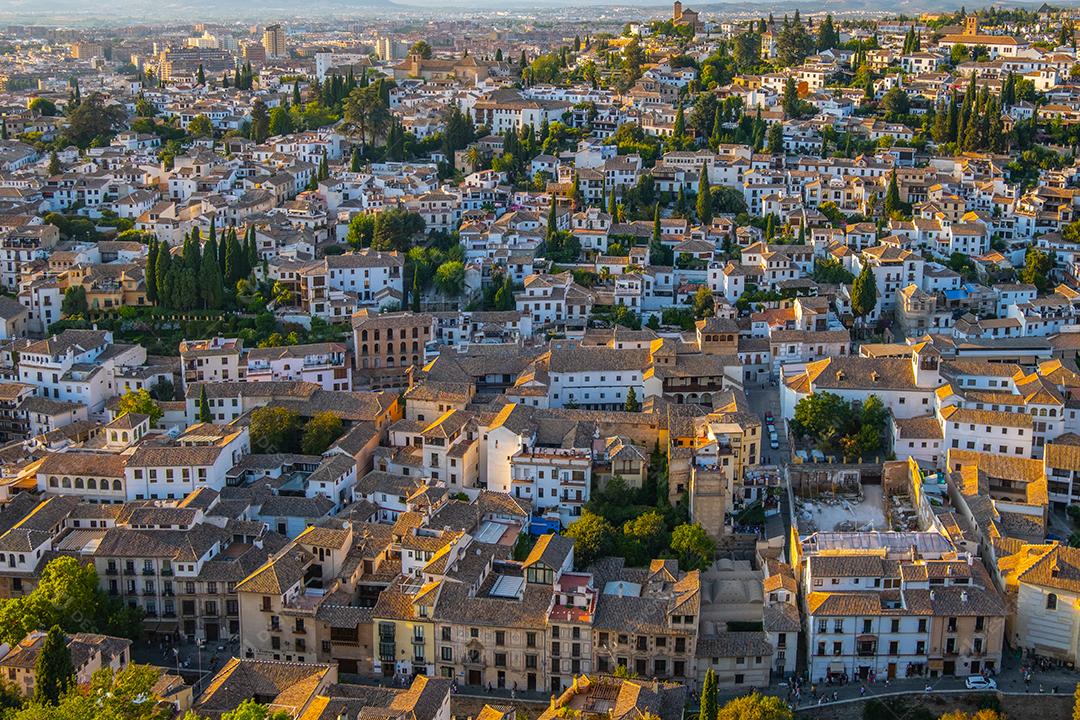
(222, 246)
(233, 261)
(194, 260)
(54, 672)
(150, 272)
(679, 131)
(204, 406)
(354, 162)
(709, 703)
(416, 292)
(864, 293)
(251, 251)
(161, 270)
(704, 197)
(892, 196)
(613, 206)
(210, 283)
(552, 219)
(716, 138)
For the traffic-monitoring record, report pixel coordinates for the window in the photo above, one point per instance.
(1051, 602)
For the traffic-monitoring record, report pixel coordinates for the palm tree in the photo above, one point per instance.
(366, 113)
(472, 156)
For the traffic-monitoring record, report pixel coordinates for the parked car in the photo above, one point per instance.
(978, 682)
(774, 443)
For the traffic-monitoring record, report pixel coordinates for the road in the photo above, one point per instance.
(1010, 679)
(762, 400)
(194, 664)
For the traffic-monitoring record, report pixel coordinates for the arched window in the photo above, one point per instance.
(115, 484)
(53, 482)
(91, 484)
(78, 483)
(66, 482)
(363, 335)
(1051, 602)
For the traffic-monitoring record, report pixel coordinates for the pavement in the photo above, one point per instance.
(1010, 679)
(764, 399)
(195, 664)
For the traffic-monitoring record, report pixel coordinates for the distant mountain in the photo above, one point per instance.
(81, 12)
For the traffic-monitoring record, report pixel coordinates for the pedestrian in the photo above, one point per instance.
(813, 690)
(835, 695)
(862, 690)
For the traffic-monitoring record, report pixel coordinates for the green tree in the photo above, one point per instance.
(74, 302)
(895, 102)
(592, 535)
(791, 103)
(92, 120)
(632, 404)
(67, 595)
(827, 36)
(450, 278)
(260, 121)
(204, 407)
(139, 402)
(274, 430)
(395, 228)
(43, 106)
(251, 710)
(709, 703)
(319, 432)
(1038, 264)
(421, 48)
(864, 293)
(281, 122)
(893, 204)
(648, 534)
(211, 284)
(54, 164)
(755, 707)
(703, 302)
(822, 415)
(415, 293)
(693, 546)
(704, 197)
(366, 114)
(776, 138)
(54, 672)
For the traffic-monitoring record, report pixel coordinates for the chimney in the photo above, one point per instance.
(963, 596)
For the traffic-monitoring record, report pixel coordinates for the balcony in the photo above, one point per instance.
(167, 572)
(148, 571)
(417, 640)
(169, 614)
(111, 571)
